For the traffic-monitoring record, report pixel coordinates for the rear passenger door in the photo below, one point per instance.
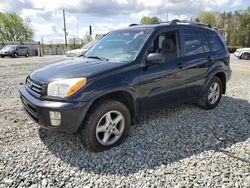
(196, 58)
(218, 51)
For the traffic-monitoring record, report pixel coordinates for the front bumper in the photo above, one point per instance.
(6, 54)
(72, 113)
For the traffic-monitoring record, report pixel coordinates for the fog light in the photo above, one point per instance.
(55, 118)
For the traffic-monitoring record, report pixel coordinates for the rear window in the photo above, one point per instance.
(215, 42)
(192, 42)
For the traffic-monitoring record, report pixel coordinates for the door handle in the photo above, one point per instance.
(210, 58)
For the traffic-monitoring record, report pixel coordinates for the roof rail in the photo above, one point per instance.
(133, 24)
(189, 22)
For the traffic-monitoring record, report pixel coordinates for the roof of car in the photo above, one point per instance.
(171, 23)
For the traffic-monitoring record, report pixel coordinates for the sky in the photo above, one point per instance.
(46, 16)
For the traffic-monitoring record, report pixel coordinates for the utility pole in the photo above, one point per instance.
(90, 30)
(65, 31)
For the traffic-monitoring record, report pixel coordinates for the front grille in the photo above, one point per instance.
(34, 87)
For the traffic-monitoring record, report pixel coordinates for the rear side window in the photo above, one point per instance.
(192, 42)
(214, 42)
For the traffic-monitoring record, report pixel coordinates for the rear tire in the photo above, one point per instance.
(2, 56)
(27, 54)
(15, 55)
(245, 56)
(212, 94)
(106, 125)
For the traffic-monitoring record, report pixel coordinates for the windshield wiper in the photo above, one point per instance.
(97, 57)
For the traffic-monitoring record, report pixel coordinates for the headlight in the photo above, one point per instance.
(66, 87)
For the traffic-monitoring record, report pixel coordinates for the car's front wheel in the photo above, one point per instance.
(212, 94)
(245, 56)
(106, 125)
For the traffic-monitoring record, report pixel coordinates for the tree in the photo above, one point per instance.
(13, 28)
(150, 20)
(233, 26)
(208, 18)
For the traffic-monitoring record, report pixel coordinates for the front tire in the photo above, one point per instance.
(106, 125)
(212, 94)
(245, 56)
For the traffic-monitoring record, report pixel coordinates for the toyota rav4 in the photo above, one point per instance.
(127, 73)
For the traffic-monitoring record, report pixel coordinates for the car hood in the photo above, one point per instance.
(72, 68)
(243, 49)
(5, 50)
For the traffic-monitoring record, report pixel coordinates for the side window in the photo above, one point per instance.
(206, 43)
(215, 42)
(167, 44)
(192, 42)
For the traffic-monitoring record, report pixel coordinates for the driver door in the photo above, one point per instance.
(163, 84)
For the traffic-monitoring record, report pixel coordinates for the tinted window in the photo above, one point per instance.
(215, 42)
(192, 42)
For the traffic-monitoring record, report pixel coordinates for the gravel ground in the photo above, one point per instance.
(183, 146)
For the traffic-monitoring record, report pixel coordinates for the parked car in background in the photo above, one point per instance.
(243, 53)
(77, 52)
(14, 51)
(129, 72)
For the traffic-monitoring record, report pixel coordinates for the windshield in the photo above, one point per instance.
(9, 47)
(90, 44)
(120, 46)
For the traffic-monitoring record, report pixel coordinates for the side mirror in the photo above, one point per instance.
(155, 58)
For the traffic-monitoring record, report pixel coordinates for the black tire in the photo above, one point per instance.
(15, 55)
(27, 54)
(204, 101)
(89, 133)
(2, 56)
(245, 56)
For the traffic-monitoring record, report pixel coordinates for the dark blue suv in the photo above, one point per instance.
(127, 73)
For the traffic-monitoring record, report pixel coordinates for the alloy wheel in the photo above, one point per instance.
(110, 128)
(214, 93)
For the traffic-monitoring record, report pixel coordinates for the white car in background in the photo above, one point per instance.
(243, 53)
(77, 52)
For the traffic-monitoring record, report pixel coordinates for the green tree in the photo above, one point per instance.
(208, 18)
(13, 28)
(150, 20)
(233, 26)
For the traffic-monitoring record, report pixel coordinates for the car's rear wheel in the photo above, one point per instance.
(106, 125)
(27, 54)
(212, 94)
(2, 56)
(15, 55)
(245, 56)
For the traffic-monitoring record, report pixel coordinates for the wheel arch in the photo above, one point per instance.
(120, 95)
(221, 75)
(244, 52)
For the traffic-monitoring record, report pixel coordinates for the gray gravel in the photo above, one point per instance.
(183, 146)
